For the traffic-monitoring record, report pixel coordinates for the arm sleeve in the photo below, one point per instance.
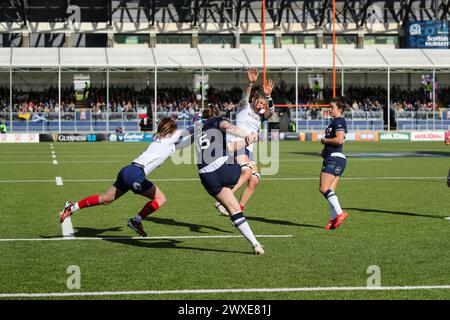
(341, 125)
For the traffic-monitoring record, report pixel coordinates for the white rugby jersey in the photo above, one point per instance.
(248, 120)
(157, 152)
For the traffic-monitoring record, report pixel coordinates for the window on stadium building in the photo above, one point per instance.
(131, 40)
(381, 39)
(89, 40)
(222, 40)
(10, 40)
(341, 40)
(174, 39)
(47, 40)
(306, 41)
(247, 40)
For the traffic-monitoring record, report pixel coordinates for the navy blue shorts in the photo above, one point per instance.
(226, 176)
(334, 165)
(132, 178)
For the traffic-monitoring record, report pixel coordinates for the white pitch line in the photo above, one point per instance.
(215, 291)
(196, 179)
(55, 162)
(67, 229)
(53, 156)
(138, 238)
(59, 181)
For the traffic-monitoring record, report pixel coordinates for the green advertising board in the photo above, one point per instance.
(395, 136)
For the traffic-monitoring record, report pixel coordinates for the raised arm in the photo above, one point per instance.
(268, 87)
(252, 76)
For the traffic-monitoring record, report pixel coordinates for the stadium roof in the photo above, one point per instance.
(35, 57)
(361, 58)
(313, 58)
(186, 58)
(222, 59)
(406, 58)
(130, 58)
(84, 58)
(5, 57)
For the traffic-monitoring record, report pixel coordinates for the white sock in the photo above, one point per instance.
(137, 218)
(242, 225)
(334, 202)
(75, 207)
(333, 213)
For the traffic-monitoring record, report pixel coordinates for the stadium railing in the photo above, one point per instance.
(423, 120)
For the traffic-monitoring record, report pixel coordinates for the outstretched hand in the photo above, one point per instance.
(268, 87)
(252, 75)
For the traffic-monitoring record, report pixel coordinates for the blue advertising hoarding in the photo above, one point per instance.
(427, 35)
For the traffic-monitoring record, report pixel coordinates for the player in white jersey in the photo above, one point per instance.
(249, 116)
(133, 176)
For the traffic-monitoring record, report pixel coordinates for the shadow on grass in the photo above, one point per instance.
(192, 226)
(83, 232)
(281, 222)
(399, 213)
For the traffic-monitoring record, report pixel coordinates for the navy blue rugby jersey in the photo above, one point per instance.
(210, 142)
(336, 125)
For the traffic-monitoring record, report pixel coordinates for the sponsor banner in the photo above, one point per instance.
(427, 34)
(19, 138)
(136, 137)
(398, 136)
(80, 137)
(291, 136)
(367, 136)
(46, 137)
(447, 137)
(351, 136)
(428, 136)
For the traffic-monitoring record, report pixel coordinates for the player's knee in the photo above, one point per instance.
(254, 180)
(161, 198)
(323, 189)
(106, 199)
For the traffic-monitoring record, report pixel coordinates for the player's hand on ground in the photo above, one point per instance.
(268, 87)
(252, 75)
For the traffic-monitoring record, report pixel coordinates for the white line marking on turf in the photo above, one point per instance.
(59, 181)
(53, 156)
(213, 291)
(140, 238)
(55, 162)
(67, 229)
(196, 179)
(448, 218)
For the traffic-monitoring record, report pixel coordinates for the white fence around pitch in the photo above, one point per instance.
(306, 120)
(423, 120)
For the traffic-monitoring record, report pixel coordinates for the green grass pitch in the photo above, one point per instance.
(397, 208)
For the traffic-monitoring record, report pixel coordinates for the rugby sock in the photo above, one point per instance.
(241, 224)
(86, 202)
(149, 208)
(333, 213)
(333, 201)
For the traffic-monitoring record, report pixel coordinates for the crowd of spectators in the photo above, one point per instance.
(184, 103)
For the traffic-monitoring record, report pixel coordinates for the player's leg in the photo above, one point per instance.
(112, 194)
(329, 179)
(254, 180)
(228, 200)
(246, 173)
(157, 200)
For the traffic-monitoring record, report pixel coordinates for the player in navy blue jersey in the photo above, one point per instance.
(334, 162)
(218, 169)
